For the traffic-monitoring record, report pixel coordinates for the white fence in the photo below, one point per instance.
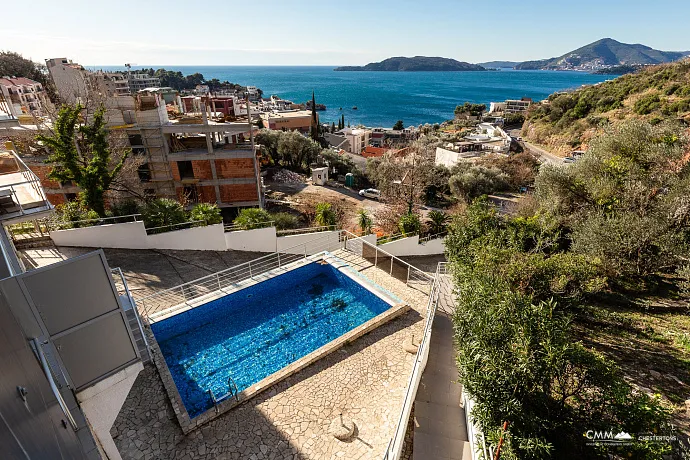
(132, 235)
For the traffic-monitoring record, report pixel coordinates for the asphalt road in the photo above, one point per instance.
(545, 156)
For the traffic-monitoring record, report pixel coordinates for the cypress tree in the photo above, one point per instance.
(314, 121)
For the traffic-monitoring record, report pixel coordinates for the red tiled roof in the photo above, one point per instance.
(17, 81)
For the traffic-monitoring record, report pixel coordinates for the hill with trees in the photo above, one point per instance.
(415, 64)
(606, 52)
(567, 121)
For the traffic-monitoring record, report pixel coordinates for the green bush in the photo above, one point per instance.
(284, 220)
(647, 104)
(206, 212)
(163, 212)
(410, 224)
(438, 222)
(250, 218)
(71, 214)
(325, 215)
(125, 208)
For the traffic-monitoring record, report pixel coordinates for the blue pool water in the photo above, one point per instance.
(257, 331)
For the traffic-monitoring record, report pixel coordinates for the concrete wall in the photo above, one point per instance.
(260, 239)
(131, 235)
(411, 247)
(209, 238)
(315, 242)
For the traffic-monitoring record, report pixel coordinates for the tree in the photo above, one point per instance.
(163, 212)
(80, 153)
(332, 127)
(468, 108)
(364, 221)
(15, 65)
(399, 126)
(324, 215)
(438, 222)
(206, 212)
(404, 179)
(625, 200)
(314, 128)
(296, 150)
(342, 122)
(471, 181)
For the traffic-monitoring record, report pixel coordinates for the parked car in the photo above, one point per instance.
(569, 160)
(370, 193)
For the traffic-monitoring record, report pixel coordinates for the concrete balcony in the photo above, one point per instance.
(21, 195)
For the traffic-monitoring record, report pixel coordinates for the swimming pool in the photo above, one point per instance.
(253, 333)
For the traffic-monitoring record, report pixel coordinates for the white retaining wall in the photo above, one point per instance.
(411, 247)
(130, 235)
(260, 239)
(209, 238)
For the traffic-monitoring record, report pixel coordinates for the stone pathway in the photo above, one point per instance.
(365, 380)
(440, 432)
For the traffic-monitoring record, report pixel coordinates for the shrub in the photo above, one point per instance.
(284, 220)
(647, 104)
(364, 221)
(325, 215)
(125, 208)
(438, 222)
(163, 212)
(250, 218)
(410, 224)
(71, 214)
(206, 212)
(471, 181)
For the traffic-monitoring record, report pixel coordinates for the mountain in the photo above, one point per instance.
(567, 121)
(414, 64)
(499, 64)
(604, 53)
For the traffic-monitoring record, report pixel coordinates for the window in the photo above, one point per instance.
(135, 139)
(186, 169)
(190, 194)
(144, 173)
(71, 196)
(149, 193)
(129, 117)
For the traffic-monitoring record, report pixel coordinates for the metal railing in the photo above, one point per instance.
(251, 226)
(428, 238)
(297, 231)
(123, 289)
(56, 224)
(395, 445)
(173, 227)
(182, 294)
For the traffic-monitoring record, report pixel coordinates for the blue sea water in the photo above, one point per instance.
(382, 98)
(252, 333)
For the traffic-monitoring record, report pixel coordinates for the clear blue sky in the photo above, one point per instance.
(308, 32)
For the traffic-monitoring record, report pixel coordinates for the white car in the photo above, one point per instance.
(370, 193)
(569, 160)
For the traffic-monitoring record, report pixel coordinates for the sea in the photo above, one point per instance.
(382, 98)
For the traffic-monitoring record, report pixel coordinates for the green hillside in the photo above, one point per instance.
(567, 121)
(606, 51)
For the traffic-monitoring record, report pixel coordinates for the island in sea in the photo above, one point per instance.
(415, 64)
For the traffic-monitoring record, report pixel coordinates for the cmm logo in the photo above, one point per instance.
(609, 436)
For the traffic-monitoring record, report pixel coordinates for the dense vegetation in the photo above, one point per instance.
(15, 65)
(617, 221)
(570, 120)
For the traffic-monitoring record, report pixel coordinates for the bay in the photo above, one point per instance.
(382, 98)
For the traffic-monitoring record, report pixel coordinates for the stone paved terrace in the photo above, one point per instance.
(365, 380)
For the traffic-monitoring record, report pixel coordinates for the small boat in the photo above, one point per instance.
(354, 108)
(341, 108)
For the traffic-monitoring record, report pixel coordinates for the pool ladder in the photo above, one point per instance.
(232, 391)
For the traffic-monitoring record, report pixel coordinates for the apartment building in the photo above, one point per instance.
(114, 83)
(358, 139)
(27, 96)
(382, 137)
(70, 79)
(517, 105)
(297, 120)
(138, 81)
